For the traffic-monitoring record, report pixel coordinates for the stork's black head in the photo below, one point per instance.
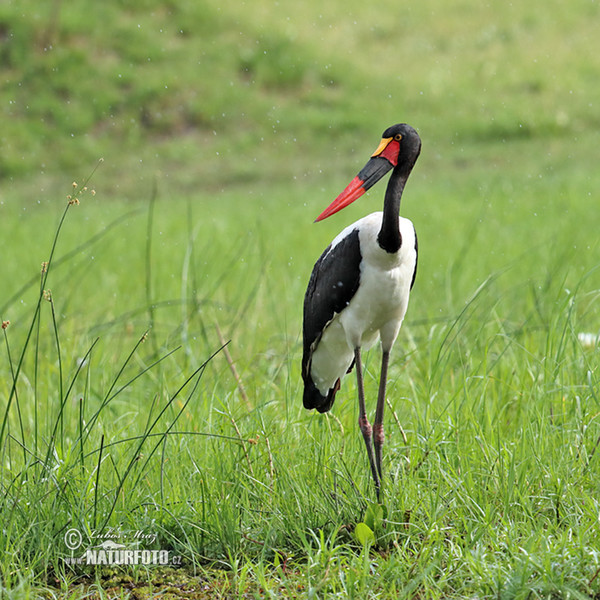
(410, 144)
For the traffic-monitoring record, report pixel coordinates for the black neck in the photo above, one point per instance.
(389, 237)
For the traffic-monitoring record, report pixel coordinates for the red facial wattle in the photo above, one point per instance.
(391, 152)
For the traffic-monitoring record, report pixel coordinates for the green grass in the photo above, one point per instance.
(224, 133)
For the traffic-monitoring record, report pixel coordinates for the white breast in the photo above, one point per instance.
(378, 307)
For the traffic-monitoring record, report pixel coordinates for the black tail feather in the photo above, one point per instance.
(314, 399)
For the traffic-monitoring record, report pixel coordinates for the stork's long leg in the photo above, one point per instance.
(378, 434)
(363, 423)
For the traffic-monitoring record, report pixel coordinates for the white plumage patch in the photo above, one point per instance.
(377, 308)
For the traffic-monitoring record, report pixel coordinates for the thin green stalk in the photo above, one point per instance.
(81, 460)
(162, 472)
(99, 464)
(61, 398)
(36, 396)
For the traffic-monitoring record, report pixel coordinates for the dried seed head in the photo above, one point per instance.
(45, 266)
(74, 184)
(5, 324)
(48, 295)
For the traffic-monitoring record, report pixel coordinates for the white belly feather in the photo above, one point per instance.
(378, 307)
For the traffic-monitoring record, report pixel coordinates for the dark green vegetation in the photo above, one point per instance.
(224, 131)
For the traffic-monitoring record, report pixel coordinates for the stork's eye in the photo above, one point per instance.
(397, 137)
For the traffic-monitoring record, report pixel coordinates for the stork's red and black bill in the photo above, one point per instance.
(383, 160)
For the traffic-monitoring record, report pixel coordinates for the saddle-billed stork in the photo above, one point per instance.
(358, 290)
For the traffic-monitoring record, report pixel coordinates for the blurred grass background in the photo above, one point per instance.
(218, 92)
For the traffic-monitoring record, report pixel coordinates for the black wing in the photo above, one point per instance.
(333, 283)
(416, 259)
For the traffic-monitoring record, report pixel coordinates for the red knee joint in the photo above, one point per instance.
(365, 426)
